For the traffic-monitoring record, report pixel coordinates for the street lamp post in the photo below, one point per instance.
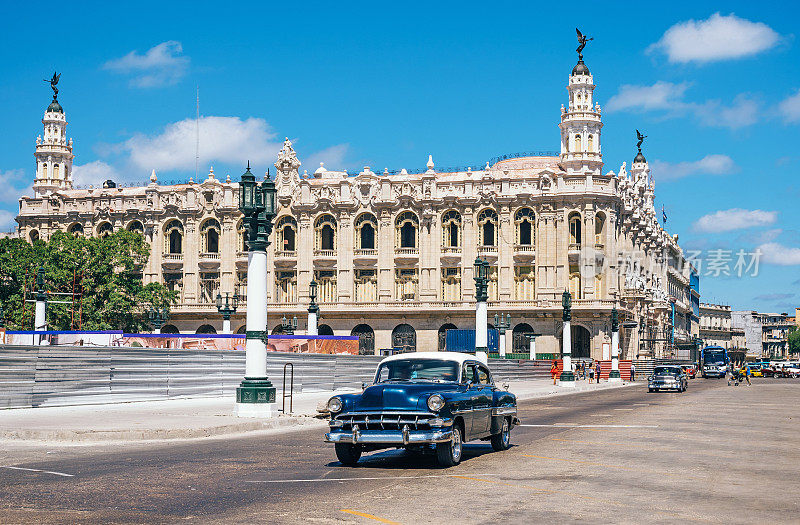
(40, 316)
(288, 326)
(502, 325)
(313, 309)
(567, 378)
(614, 375)
(256, 395)
(158, 318)
(227, 309)
(481, 269)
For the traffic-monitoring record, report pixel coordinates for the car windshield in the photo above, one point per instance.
(714, 357)
(665, 371)
(418, 370)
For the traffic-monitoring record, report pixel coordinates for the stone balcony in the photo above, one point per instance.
(365, 254)
(208, 260)
(408, 254)
(172, 260)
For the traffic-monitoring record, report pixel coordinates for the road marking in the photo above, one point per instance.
(623, 409)
(368, 516)
(37, 470)
(601, 415)
(576, 425)
(602, 443)
(354, 479)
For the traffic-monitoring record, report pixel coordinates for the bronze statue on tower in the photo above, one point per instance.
(581, 43)
(53, 82)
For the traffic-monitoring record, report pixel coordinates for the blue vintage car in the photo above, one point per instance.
(423, 400)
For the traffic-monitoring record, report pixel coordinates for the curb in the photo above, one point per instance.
(560, 391)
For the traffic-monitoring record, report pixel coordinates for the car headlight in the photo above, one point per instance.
(335, 405)
(435, 402)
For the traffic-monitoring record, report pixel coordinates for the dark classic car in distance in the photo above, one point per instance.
(423, 400)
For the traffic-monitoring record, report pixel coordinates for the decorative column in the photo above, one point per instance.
(567, 378)
(502, 324)
(614, 376)
(481, 305)
(40, 318)
(256, 395)
(227, 309)
(313, 309)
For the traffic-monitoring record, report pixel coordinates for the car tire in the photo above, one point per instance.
(651, 390)
(348, 454)
(502, 441)
(448, 454)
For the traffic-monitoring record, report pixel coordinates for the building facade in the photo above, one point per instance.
(715, 326)
(766, 334)
(392, 252)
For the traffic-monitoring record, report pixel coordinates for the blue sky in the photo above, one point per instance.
(713, 87)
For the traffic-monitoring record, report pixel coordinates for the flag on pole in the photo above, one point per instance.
(663, 215)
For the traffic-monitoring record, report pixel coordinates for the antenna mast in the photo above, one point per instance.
(197, 142)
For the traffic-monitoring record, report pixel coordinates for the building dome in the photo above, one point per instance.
(54, 107)
(580, 68)
(639, 158)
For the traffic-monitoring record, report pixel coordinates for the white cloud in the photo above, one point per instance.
(717, 38)
(775, 253)
(660, 96)
(333, 157)
(743, 111)
(790, 108)
(14, 185)
(7, 222)
(773, 297)
(735, 219)
(222, 139)
(161, 65)
(93, 173)
(714, 164)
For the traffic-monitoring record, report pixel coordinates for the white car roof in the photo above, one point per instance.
(458, 357)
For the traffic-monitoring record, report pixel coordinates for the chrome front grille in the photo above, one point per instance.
(385, 420)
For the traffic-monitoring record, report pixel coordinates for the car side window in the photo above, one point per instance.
(469, 373)
(484, 377)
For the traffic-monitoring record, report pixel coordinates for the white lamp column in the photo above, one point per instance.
(614, 375)
(567, 378)
(40, 316)
(481, 269)
(313, 310)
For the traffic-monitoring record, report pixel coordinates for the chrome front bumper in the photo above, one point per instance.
(389, 437)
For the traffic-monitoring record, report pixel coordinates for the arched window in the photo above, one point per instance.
(324, 329)
(135, 226)
(404, 338)
(598, 286)
(407, 226)
(209, 232)
(287, 233)
(524, 283)
(575, 229)
(366, 339)
(173, 237)
(520, 338)
(241, 231)
(56, 171)
(578, 146)
(451, 229)
(33, 236)
(206, 329)
(105, 229)
(170, 329)
(443, 334)
(487, 227)
(242, 329)
(575, 281)
(590, 143)
(325, 232)
(44, 171)
(599, 228)
(76, 229)
(365, 227)
(524, 220)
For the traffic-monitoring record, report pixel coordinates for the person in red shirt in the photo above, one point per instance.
(554, 371)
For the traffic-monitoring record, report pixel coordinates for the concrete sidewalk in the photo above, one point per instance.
(195, 418)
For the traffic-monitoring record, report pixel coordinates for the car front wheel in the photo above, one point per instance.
(448, 453)
(347, 454)
(502, 441)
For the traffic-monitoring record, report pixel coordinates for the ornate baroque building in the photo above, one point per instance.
(393, 252)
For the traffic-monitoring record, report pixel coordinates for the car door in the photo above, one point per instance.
(482, 404)
(469, 378)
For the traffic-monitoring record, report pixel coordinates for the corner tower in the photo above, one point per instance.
(580, 121)
(53, 152)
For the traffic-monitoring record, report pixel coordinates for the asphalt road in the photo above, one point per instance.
(712, 454)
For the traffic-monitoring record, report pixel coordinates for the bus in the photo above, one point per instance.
(714, 361)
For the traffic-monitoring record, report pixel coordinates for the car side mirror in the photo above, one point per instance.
(365, 384)
(505, 385)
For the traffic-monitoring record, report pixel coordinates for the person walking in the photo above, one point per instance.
(597, 372)
(747, 375)
(554, 371)
(633, 372)
(591, 373)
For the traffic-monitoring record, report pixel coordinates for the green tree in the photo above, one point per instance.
(96, 281)
(794, 340)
